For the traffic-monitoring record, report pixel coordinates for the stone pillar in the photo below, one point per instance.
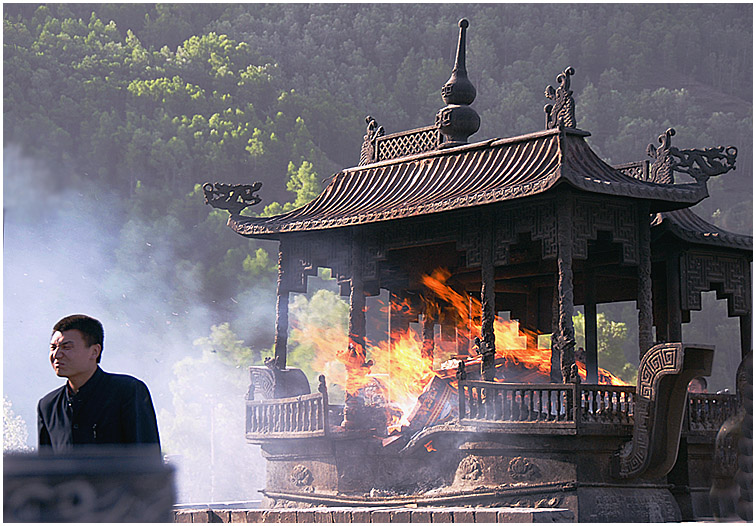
(356, 356)
(487, 298)
(282, 311)
(746, 343)
(565, 328)
(429, 324)
(556, 375)
(591, 330)
(645, 306)
(398, 315)
(357, 302)
(674, 312)
(531, 319)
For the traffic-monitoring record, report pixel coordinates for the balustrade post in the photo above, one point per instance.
(461, 399)
(576, 403)
(323, 390)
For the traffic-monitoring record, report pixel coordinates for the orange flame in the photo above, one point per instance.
(429, 446)
(399, 366)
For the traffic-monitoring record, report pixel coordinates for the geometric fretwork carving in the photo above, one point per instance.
(306, 253)
(729, 276)
(468, 239)
(592, 215)
(407, 143)
(538, 219)
(659, 408)
(665, 359)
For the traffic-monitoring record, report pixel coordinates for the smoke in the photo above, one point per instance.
(65, 254)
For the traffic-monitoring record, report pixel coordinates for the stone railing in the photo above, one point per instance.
(599, 406)
(302, 416)
(493, 402)
(607, 404)
(637, 169)
(593, 408)
(410, 142)
(707, 412)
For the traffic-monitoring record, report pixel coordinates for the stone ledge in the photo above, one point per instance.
(378, 515)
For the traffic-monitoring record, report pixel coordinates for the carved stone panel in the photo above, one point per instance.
(101, 485)
(659, 408)
(730, 276)
(538, 219)
(469, 240)
(301, 476)
(305, 254)
(470, 468)
(522, 469)
(592, 215)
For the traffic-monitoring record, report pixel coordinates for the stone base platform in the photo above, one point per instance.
(378, 515)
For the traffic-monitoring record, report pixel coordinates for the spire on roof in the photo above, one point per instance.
(457, 121)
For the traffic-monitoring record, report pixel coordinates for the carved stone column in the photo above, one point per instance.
(565, 329)
(531, 319)
(282, 311)
(429, 324)
(487, 295)
(644, 303)
(591, 330)
(399, 320)
(674, 312)
(746, 344)
(556, 374)
(357, 301)
(356, 354)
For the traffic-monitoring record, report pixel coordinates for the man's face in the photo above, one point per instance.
(70, 355)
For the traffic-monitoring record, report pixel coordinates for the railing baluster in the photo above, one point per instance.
(461, 395)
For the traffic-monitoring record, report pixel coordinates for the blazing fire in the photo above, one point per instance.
(401, 369)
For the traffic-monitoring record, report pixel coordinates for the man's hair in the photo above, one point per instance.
(90, 328)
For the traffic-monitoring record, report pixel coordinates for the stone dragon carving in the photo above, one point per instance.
(231, 197)
(661, 395)
(700, 164)
(373, 131)
(562, 112)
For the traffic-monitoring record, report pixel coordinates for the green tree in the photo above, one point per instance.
(611, 338)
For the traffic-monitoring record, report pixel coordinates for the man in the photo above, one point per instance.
(93, 407)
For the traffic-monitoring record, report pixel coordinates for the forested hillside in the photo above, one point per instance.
(114, 114)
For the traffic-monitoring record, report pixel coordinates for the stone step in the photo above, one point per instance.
(377, 515)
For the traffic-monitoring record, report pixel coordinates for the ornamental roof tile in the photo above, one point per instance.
(687, 226)
(492, 171)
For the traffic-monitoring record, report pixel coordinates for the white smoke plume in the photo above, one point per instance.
(59, 260)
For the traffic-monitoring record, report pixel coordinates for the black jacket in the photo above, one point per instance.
(108, 409)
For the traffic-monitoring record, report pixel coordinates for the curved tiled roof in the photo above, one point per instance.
(686, 225)
(492, 171)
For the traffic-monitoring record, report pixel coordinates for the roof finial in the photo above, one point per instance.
(562, 112)
(458, 89)
(457, 121)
